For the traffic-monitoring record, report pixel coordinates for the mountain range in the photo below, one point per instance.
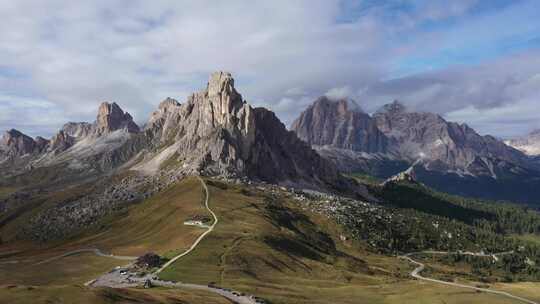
(215, 132)
(448, 156)
(216, 195)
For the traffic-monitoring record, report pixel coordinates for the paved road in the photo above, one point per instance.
(416, 274)
(201, 237)
(229, 294)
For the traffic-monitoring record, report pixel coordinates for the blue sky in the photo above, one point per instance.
(471, 61)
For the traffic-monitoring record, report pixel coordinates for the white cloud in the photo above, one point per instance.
(339, 93)
(283, 54)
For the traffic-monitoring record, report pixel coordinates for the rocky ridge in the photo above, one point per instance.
(442, 145)
(445, 155)
(529, 144)
(215, 132)
(15, 144)
(394, 133)
(78, 145)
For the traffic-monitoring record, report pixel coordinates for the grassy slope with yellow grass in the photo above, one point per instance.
(263, 244)
(154, 225)
(270, 247)
(82, 295)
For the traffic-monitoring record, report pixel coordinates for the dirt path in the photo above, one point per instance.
(416, 274)
(95, 251)
(85, 250)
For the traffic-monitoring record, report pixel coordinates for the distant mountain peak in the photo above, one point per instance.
(339, 123)
(529, 144)
(344, 104)
(221, 83)
(12, 133)
(395, 107)
(168, 103)
(111, 118)
(15, 143)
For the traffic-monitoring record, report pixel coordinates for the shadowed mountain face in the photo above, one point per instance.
(340, 124)
(15, 144)
(443, 151)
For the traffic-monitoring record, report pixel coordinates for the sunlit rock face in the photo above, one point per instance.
(216, 132)
(111, 118)
(529, 144)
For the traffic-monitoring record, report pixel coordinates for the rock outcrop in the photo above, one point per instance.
(78, 129)
(405, 176)
(61, 142)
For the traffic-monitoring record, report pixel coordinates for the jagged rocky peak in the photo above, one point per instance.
(165, 112)
(168, 104)
(17, 143)
(217, 133)
(61, 142)
(221, 106)
(77, 129)
(111, 118)
(224, 103)
(41, 143)
(339, 123)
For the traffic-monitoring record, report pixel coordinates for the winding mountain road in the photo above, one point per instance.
(416, 274)
(201, 237)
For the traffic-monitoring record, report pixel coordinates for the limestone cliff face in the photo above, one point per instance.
(216, 132)
(61, 142)
(339, 124)
(15, 143)
(17, 150)
(111, 118)
(343, 133)
(78, 129)
(442, 145)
